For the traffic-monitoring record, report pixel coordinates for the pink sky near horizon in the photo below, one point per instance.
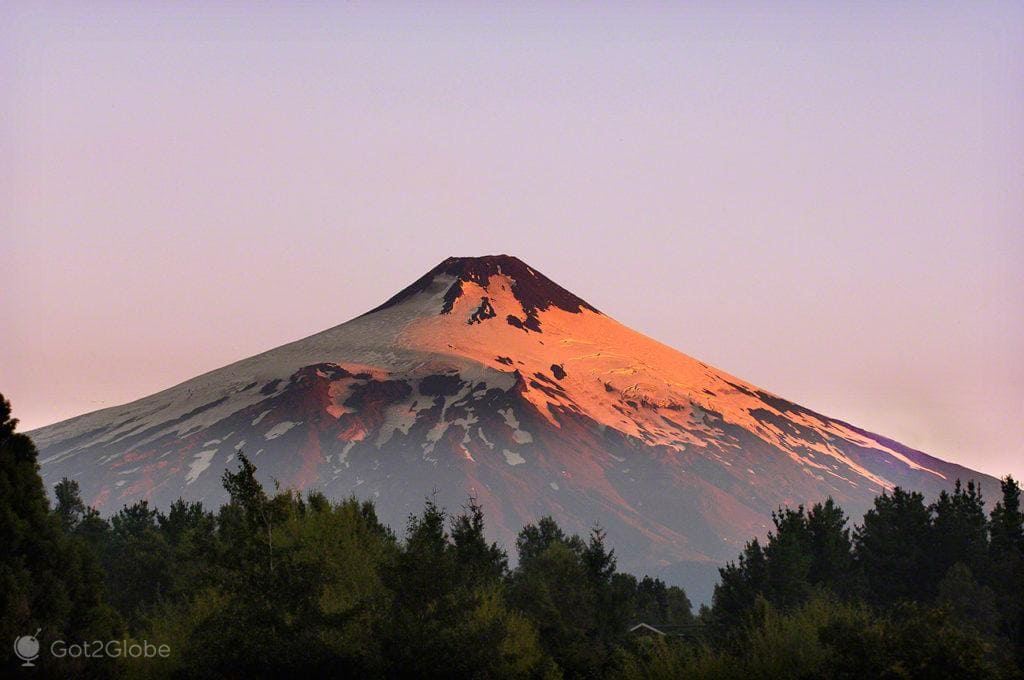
(825, 201)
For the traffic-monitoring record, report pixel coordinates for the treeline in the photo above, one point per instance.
(914, 591)
(279, 583)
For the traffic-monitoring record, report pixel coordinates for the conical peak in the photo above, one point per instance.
(480, 269)
(534, 291)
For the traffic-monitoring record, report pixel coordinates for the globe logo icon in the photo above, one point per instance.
(26, 648)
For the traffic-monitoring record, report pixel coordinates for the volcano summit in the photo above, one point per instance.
(486, 378)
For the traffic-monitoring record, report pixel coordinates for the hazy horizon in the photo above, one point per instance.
(823, 201)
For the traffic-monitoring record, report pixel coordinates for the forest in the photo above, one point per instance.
(277, 583)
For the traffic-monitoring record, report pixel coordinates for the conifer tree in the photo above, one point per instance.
(1007, 522)
(70, 507)
(138, 562)
(479, 562)
(831, 547)
(960, 529)
(740, 583)
(1006, 551)
(788, 559)
(47, 580)
(893, 549)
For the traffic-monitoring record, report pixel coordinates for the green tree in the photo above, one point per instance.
(788, 559)
(1007, 522)
(893, 549)
(448, 616)
(534, 539)
(830, 546)
(478, 561)
(740, 583)
(661, 604)
(70, 507)
(422, 578)
(568, 589)
(806, 551)
(190, 532)
(1006, 554)
(970, 602)
(48, 580)
(263, 615)
(138, 562)
(960, 529)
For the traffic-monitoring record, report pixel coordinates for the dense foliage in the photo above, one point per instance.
(279, 583)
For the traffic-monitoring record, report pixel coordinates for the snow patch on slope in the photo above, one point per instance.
(513, 458)
(199, 464)
(280, 429)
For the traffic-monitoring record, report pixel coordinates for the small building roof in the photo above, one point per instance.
(645, 628)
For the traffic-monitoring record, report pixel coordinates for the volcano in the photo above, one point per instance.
(484, 378)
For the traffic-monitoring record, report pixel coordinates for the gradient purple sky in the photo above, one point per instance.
(825, 199)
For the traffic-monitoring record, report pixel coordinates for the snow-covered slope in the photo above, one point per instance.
(484, 377)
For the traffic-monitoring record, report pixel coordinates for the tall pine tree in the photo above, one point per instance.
(48, 580)
(893, 549)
